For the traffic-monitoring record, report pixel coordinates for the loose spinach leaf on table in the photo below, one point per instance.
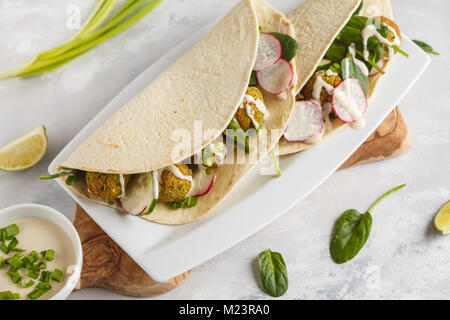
(426, 47)
(273, 273)
(352, 231)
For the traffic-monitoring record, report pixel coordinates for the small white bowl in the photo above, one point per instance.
(19, 211)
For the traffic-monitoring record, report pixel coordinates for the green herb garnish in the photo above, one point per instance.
(14, 276)
(189, 202)
(15, 262)
(273, 273)
(57, 275)
(426, 47)
(45, 276)
(28, 284)
(352, 231)
(43, 286)
(48, 254)
(253, 81)
(11, 231)
(8, 295)
(35, 294)
(275, 163)
(235, 132)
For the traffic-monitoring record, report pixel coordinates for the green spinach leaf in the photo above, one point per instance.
(352, 231)
(289, 45)
(359, 8)
(426, 47)
(273, 273)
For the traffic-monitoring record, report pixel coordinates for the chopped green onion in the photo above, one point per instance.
(397, 49)
(8, 295)
(35, 294)
(13, 243)
(28, 284)
(2, 261)
(43, 287)
(33, 273)
(208, 171)
(189, 202)
(15, 262)
(48, 254)
(11, 231)
(33, 256)
(71, 180)
(4, 247)
(275, 163)
(45, 276)
(57, 275)
(14, 276)
(42, 265)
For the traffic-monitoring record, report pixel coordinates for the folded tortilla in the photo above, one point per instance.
(205, 86)
(317, 23)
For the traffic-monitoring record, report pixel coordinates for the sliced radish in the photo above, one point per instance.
(306, 121)
(349, 101)
(277, 78)
(373, 71)
(138, 198)
(269, 51)
(202, 183)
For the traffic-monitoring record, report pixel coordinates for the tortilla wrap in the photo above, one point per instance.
(315, 36)
(207, 85)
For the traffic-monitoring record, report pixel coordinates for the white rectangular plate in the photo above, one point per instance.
(167, 251)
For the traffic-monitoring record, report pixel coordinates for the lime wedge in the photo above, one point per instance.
(442, 219)
(25, 151)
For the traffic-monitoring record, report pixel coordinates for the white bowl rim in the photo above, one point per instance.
(56, 217)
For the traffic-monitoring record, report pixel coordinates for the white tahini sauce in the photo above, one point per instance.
(39, 234)
(155, 184)
(371, 31)
(318, 86)
(122, 184)
(250, 112)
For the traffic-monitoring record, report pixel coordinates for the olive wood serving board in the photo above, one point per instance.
(106, 265)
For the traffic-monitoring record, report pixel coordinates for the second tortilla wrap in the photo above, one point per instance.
(317, 23)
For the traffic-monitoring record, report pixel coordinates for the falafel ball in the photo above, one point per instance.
(333, 80)
(172, 188)
(105, 186)
(241, 114)
(391, 36)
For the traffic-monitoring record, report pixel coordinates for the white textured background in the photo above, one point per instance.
(404, 257)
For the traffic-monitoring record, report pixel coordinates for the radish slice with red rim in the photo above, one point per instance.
(203, 183)
(269, 51)
(277, 78)
(139, 195)
(349, 101)
(373, 71)
(306, 121)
